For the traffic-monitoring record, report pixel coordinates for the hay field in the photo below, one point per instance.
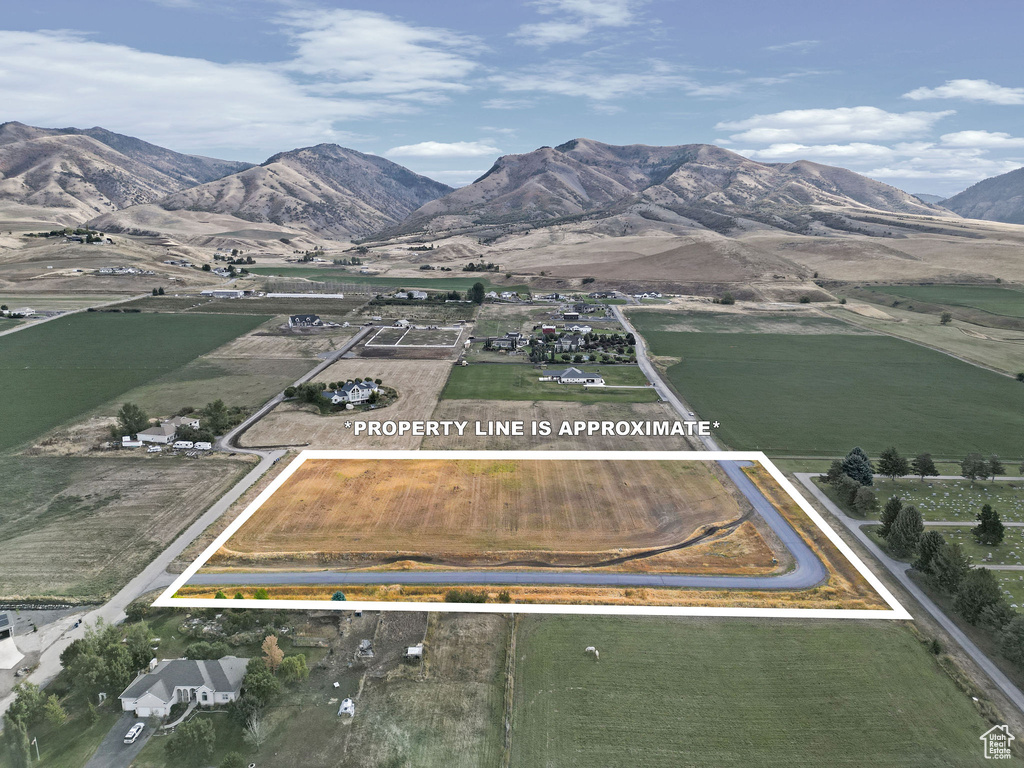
(415, 337)
(479, 511)
(418, 383)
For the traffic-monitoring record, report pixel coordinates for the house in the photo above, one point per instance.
(176, 681)
(571, 315)
(162, 433)
(579, 328)
(509, 295)
(414, 652)
(183, 421)
(569, 343)
(491, 295)
(304, 321)
(548, 329)
(418, 295)
(574, 376)
(226, 293)
(352, 392)
(401, 323)
(511, 341)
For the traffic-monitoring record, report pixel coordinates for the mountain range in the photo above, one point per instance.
(120, 183)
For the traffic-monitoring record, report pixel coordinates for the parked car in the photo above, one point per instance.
(133, 733)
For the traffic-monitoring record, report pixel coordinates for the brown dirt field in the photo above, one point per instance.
(555, 412)
(263, 345)
(364, 512)
(418, 382)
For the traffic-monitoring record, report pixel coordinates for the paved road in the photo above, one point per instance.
(112, 751)
(685, 412)
(807, 572)
(899, 572)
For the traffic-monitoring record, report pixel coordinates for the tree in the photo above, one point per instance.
(889, 513)
(859, 467)
(131, 420)
(53, 712)
(293, 669)
(727, 298)
(215, 418)
(192, 743)
(928, 547)
(16, 740)
(232, 760)
(978, 590)
(28, 705)
(337, 596)
(259, 684)
(945, 318)
(476, 293)
(1020, 376)
(973, 466)
(923, 466)
(290, 391)
(950, 565)
(864, 502)
(847, 490)
(206, 267)
(995, 467)
(892, 465)
(835, 472)
(989, 530)
(905, 532)
(159, 291)
(1011, 641)
(220, 596)
(254, 733)
(272, 653)
(261, 594)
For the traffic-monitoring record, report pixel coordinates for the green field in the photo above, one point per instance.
(328, 308)
(497, 381)
(993, 299)
(806, 394)
(956, 499)
(60, 370)
(734, 692)
(336, 275)
(1009, 552)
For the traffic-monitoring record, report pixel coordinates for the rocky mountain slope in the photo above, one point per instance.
(695, 184)
(1000, 198)
(86, 172)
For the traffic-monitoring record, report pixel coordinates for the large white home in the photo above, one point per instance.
(175, 681)
(165, 431)
(353, 392)
(574, 376)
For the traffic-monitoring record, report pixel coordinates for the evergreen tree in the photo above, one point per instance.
(950, 565)
(835, 472)
(923, 466)
(476, 293)
(974, 466)
(16, 740)
(930, 545)
(864, 502)
(978, 590)
(892, 465)
(847, 490)
(905, 532)
(989, 529)
(889, 512)
(131, 420)
(1011, 641)
(859, 467)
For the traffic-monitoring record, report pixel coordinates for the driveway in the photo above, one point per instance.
(112, 751)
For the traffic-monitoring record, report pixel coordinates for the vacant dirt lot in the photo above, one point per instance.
(475, 512)
(418, 383)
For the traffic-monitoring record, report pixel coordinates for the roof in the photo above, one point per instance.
(305, 318)
(574, 373)
(164, 430)
(222, 675)
(5, 620)
(178, 421)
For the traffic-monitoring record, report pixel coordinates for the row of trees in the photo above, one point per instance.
(215, 418)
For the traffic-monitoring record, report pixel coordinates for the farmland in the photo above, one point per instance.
(823, 393)
(787, 693)
(60, 370)
(415, 337)
(995, 300)
(477, 512)
(82, 527)
(495, 381)
(329, 308)
(429, 283)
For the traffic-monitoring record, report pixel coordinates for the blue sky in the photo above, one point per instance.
(928, 96)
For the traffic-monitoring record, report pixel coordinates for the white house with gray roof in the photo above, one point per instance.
(181, 681)
(574, 376)
(353, 392)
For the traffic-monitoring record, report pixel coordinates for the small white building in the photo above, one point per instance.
(162, 434)
(175, 681)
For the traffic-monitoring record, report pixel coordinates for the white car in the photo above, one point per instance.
(133, 733)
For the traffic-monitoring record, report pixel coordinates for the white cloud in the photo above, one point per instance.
(578, 19)
(797, 46)
(507, 104)
(361, 52)
(985, 139)
(834, 125)
(857, 151)
(970, 90)
(456, 178)
(442, 149)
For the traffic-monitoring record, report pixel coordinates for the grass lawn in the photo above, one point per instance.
(339, 275)
(806, 394)
(483, 381)
(955, 499)
(229, 739)
(58, 371)
(735, 692)
(1009, 552)
(993, 299)
(1012, 584)
(72, 744)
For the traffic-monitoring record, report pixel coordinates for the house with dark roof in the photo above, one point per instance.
(182, 681)
(569, 343)
(511, 340)
(353, 392)
(304, 321)
(574, 376)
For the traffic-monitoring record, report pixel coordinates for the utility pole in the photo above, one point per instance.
(35, 743)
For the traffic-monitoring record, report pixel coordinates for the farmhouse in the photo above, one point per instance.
(162, 433)
(352, 392)
(417, 295)
(574, 376)
(174, 681)
(304, 321)
(579, 328)
(569, 343)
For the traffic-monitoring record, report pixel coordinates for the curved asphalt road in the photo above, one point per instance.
(808, 571)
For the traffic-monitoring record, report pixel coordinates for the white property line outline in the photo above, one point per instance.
(399, 345)
(895, 611)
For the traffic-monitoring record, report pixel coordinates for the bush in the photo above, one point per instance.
(192, 743)
(339, 595)
(464, 596)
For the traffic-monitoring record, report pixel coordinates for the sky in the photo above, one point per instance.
(927, 96)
